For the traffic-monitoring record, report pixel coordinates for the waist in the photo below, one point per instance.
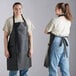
(59, 34)
(59, 39)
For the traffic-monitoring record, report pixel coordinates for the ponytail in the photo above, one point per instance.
(65, 9)
(68, 12)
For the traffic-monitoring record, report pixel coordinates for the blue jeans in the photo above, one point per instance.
(21, 73)
(59, 58)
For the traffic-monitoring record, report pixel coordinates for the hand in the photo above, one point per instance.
(30, 53)
(7, 55)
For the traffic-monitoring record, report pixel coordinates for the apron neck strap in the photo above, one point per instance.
(61, 15)
(13, 19)
(21, 16)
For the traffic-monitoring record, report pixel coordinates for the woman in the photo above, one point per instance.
(18, 42)
(59, 30)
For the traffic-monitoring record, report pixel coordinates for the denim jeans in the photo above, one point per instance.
(58, 58)
(21, 73)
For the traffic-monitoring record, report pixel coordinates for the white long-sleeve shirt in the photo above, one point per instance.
(59, 26)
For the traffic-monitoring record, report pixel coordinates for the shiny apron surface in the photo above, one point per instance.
(18, 47)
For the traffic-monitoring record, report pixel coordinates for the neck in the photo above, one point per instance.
(18, 16)
(61, 15)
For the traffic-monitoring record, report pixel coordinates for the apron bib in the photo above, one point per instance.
(18, 47)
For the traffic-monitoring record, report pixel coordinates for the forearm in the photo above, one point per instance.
(5, 42)
(31, 40)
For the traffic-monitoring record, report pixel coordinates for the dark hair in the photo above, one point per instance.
(16, 3)
(65, 9)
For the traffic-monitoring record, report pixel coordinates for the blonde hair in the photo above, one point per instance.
(65, 9)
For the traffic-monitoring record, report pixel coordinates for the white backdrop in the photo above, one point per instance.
(39, 12)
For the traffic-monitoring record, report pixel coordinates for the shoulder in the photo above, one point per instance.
(8, 20)
(58, 20)
(53, 20)
(28, 21)
(63, 19)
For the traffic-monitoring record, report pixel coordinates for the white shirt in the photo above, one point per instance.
(59, 26)
(9, 24)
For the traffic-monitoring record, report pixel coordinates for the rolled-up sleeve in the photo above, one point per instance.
(30, 25)
(6, 27)
(49, 26)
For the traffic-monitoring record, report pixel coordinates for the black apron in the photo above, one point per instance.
(47, 58)
(63, 40)
(18, 47)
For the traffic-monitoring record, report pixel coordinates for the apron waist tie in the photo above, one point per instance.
(64, 41)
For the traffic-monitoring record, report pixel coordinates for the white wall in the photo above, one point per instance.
(39, 12)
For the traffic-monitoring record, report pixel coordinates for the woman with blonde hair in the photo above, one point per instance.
(59, 30)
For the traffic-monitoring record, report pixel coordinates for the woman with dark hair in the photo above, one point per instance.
(59, 30)
(18, 42)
